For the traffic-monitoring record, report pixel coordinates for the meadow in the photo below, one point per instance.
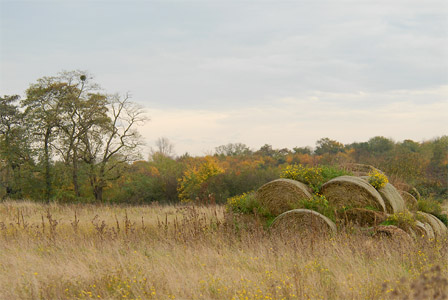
(74, 251)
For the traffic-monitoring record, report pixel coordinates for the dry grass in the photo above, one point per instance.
(166, 252)
(363, 217)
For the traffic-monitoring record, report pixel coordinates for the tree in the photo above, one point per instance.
(409, 146)
(110, 145)
(163, 147)
(14, 148)
(302, 150)
(380, 145)
(233, 150)
(43, 108)
(438, 166)
(325, 145)
(194, 184)
(83, 108)
(266, 150)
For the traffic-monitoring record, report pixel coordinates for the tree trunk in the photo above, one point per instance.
(98, 191)
(75, 174)
(9, 190)
(47, 165)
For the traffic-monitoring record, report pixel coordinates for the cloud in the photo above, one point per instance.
(213, 72)
(290, 122)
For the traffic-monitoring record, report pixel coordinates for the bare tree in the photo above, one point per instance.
(113, 143)
(163, 147)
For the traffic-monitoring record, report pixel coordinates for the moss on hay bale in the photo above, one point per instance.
(409, 200)
(392, 232)
(352, 192)
(440, 230)
(392, 199)
(360, 169)
(282, 195)
(363, 217)
(302, 221)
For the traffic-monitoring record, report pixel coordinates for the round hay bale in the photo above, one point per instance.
(353, 192)
(423, 229)
(360, 169)
(408, 188)
(282, 195)
(440, 230)
(409, 200)
(392, 199)
(302, 221)
(364, 217)
(392, 232)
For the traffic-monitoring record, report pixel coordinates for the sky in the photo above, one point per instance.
(213, 72)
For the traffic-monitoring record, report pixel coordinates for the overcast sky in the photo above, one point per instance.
(211, 72)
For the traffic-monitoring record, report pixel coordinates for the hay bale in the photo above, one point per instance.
(302, 221)
(409, 200)
(392, 199)
(423, 229)
(392, 232)
(440, 230)
(360, 169)
(282, 195)
(408, 188)
(353, 192)
(364, 217)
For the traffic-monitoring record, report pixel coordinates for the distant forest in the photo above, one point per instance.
(66, 141)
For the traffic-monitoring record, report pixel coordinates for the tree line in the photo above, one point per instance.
(68, 141)
(64, 134)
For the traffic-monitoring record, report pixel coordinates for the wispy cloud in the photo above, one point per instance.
(289, 122)
(278, 72)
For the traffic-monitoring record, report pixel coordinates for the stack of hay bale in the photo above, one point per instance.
(354, 200)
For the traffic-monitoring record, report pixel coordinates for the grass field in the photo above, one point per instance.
(185, 252)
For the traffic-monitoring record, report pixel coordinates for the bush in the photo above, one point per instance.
(403, 220)
(315, 177)
(377, 179)
(320, 204)
(246, 203)
(433, 207)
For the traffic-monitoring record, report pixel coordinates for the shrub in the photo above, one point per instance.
(377, 179)
(433, 207)
(315, 177)
(193, 184)
(246, 203)
(403, 220)
(320, 204)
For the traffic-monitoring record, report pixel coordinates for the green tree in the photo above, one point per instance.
(326, 145)
(14, 147)
(82, 108)
(438, 165)
(43, 110)
(302, 150)
(380, 145)
(231, 149)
